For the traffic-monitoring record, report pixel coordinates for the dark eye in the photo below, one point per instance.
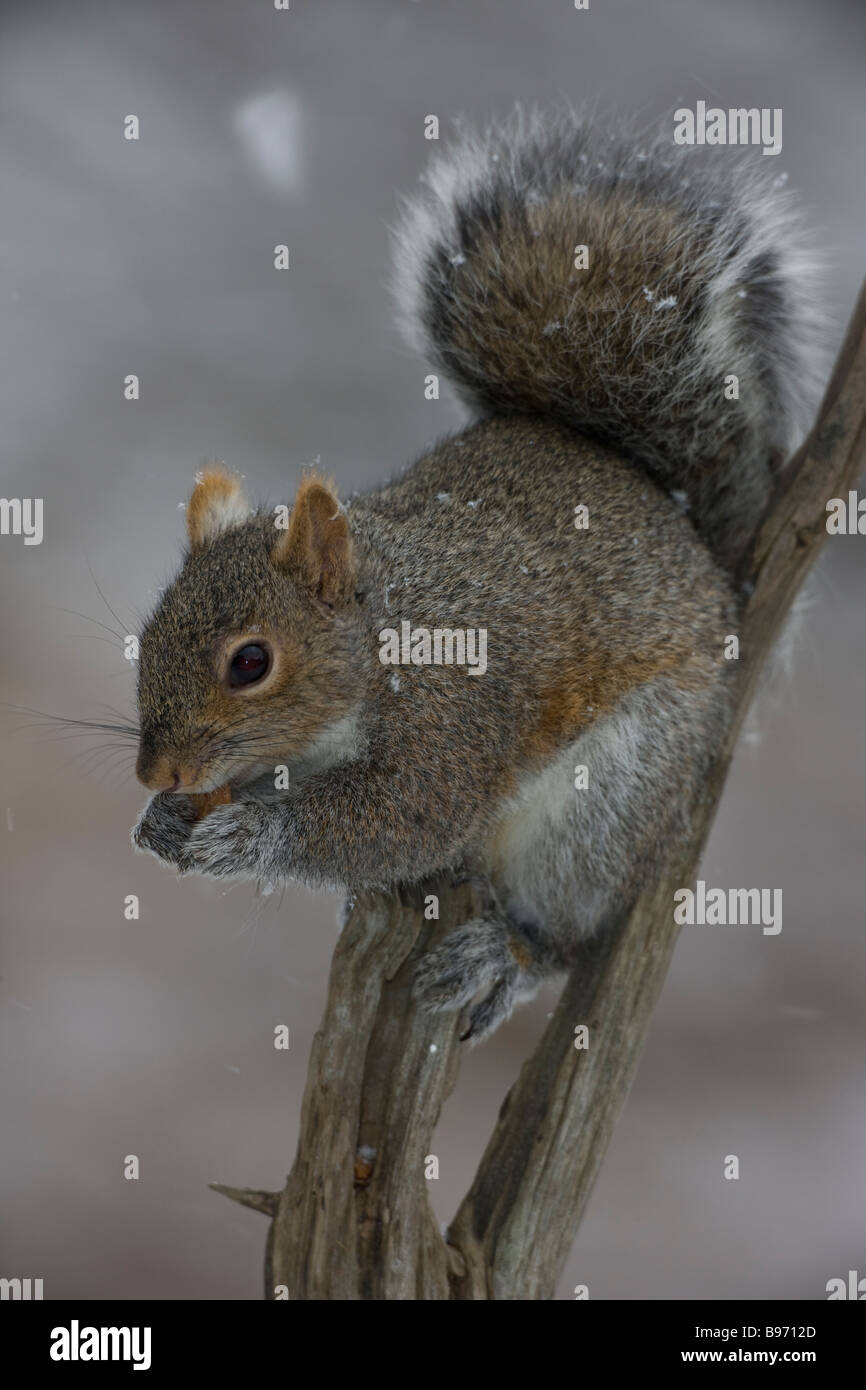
(249, 665)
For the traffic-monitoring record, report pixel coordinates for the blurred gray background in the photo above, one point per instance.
(155, 1037)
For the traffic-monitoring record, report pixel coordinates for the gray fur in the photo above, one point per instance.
(605, 645)
(731, 252)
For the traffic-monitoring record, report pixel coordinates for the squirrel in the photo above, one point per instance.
(589, 297)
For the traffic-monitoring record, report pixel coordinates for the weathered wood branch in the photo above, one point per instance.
(354, 1220)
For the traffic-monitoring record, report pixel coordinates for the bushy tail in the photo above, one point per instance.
(695, 273)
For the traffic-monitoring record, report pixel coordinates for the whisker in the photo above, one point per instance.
(95, 637)
(114, 615)
(90, 760)
(87, 618)
(112, 709)
(127, 729)
(108, 772)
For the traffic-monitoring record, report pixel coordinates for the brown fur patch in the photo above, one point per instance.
(215, 505)
(317, 545)
(584, 689)
(521, 953)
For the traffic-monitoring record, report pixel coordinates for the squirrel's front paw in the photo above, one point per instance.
(236, 841)
(164, 826)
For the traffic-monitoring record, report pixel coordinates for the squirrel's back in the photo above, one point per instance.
(694, 273)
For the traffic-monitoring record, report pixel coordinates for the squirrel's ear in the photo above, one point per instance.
(316, 547)
(216, 505)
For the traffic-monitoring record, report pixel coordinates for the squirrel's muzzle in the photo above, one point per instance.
(160, 773)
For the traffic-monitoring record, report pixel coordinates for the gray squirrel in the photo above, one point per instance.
(589, 297)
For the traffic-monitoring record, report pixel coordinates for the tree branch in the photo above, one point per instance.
(518, 1222)
(354, 1220)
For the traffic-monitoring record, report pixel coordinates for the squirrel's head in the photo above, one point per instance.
(248, 658)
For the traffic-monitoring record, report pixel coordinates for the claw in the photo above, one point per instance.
(493, 1011)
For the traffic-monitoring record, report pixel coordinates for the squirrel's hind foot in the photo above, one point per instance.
(488, 957)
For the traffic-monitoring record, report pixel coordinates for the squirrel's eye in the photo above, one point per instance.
(249, 665)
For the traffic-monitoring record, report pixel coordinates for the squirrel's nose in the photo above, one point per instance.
(159, 775)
